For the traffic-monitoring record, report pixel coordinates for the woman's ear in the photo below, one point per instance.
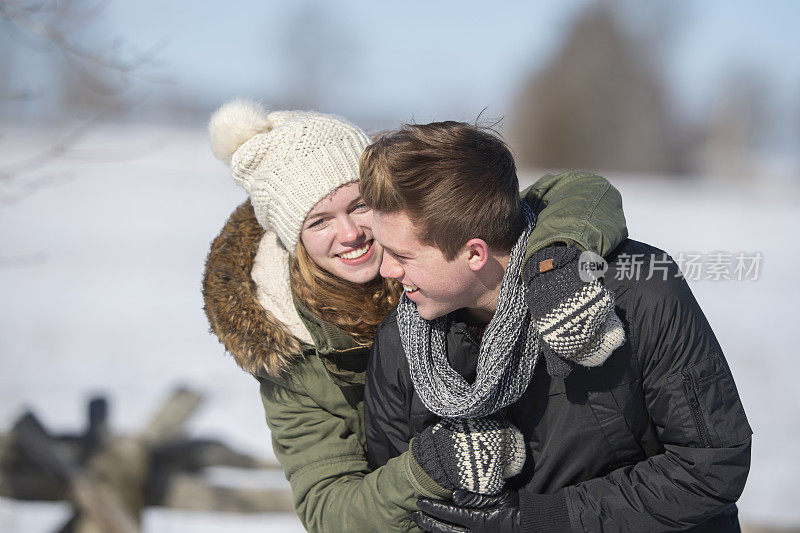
(477, 254)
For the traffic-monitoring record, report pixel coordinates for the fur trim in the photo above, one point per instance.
(257, 340)
(234, 124)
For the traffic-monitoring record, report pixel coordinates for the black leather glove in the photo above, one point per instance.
(575, 318)
(470, 512)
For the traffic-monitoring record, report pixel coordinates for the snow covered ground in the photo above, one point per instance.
(100, 272)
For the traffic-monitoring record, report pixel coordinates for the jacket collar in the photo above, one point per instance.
(343, 358)
(251, 308)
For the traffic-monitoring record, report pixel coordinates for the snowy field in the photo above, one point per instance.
(100, 271)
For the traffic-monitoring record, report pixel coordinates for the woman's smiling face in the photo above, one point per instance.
(337, 234)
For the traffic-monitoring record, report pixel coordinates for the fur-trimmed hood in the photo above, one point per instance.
(248, 299)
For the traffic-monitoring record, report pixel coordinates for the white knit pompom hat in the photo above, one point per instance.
(287, 161)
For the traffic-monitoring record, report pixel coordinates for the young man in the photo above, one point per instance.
(631, 425)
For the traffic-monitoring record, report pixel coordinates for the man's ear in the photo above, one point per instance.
(477, 254)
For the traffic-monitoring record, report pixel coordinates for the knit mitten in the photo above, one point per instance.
(575, 319)
(473, 454)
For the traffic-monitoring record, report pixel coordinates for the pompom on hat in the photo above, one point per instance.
(287, 161)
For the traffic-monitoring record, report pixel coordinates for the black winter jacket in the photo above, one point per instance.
(655, 439)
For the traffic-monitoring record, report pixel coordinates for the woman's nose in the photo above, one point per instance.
(350, 232)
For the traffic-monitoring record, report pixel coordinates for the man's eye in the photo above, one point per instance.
(361, 207)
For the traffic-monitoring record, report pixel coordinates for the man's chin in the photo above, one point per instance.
(428, 314)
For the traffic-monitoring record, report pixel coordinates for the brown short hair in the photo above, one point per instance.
(455, 181)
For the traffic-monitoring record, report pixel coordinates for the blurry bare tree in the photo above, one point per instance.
(90, 81)
(599, 104)
(56, 25)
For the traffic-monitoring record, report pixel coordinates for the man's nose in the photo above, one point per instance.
(390, 268)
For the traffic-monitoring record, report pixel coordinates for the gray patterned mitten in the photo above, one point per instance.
(576, 319)
(473, 454)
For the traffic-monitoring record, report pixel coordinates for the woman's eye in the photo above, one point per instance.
(361, 207)
(317, 223)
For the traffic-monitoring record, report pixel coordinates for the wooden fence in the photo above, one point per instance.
(110, 479)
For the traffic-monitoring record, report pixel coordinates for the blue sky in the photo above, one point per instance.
(434, 60)
(424, 59)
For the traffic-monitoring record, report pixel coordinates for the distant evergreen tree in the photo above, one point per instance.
(599, 104)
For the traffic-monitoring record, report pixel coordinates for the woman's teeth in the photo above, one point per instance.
(410, 288)
(355, 254)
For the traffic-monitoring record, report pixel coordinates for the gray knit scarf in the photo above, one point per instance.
(507, 355)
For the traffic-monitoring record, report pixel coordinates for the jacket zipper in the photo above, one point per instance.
(694, 405)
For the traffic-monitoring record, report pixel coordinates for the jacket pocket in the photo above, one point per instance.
(712, 411)
(611, 409)
(694, 407)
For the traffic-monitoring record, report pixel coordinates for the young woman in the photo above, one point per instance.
(292, 290)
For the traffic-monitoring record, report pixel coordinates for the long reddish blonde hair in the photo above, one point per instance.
(356, 308)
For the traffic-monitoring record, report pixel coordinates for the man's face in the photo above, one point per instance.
(436, 285)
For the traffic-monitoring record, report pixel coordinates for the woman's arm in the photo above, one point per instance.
(318, 438)
(576, 208)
